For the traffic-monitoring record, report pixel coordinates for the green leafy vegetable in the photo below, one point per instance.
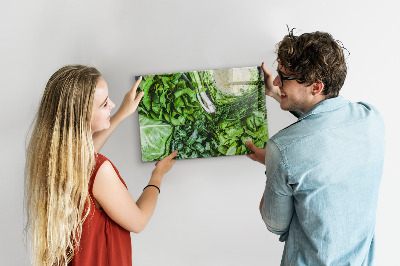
(155, 138)
(172, 118)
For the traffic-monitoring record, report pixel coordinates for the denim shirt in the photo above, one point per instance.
(323, 176)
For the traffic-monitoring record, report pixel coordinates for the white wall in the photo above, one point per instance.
(208, 208)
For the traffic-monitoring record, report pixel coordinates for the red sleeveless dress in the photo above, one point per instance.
(103, 241)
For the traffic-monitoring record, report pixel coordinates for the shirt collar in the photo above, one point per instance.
(325, 106)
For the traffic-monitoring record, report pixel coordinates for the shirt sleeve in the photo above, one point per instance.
(277, 209)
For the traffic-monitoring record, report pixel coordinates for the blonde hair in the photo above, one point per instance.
(59, 161)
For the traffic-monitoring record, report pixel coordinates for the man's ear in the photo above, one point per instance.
(317, 88)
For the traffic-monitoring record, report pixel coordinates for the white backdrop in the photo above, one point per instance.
(208, 208)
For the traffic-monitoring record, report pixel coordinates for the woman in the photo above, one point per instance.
(78, 207)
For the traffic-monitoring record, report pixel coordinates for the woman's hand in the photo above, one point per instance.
(163, 166)
(259, 154)
(270, 89)
(131, 101)
(128, 107)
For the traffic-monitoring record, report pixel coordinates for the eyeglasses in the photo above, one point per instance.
(282, 78)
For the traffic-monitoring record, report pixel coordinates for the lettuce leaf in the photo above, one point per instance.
(155, 138)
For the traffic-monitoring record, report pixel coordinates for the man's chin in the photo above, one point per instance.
(284, 107)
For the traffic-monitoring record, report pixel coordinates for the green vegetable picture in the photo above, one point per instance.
(202, 113)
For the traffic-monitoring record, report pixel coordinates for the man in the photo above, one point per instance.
(323, 172)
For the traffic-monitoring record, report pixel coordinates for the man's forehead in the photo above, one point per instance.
(283, 70)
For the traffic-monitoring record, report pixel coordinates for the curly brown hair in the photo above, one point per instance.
(314, 57)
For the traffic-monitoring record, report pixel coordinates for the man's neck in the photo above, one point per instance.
(316, 100)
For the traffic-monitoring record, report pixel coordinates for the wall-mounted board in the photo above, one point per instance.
(202, 113)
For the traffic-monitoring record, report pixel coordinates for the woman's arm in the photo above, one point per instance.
(116, 201)
(128, 106)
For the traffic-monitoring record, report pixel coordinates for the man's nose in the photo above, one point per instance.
(277, 81)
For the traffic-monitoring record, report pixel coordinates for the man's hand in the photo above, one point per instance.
(270, 89)
(259, 154)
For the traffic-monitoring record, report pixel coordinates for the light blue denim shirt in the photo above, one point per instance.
(323, 175)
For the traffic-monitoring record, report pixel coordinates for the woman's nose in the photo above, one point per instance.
(112, 105)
